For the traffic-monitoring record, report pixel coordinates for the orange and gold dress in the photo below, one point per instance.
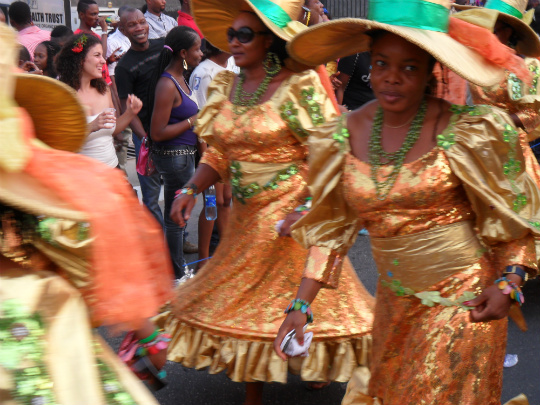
(451, 223)
(228, 315)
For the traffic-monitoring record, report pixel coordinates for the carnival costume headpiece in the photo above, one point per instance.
(425, 23)
(511, 12)
(41, 124)
(213, 17)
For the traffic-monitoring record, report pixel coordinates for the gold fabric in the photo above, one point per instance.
(424, 354)
(228, 315)
(439, 252)
(515, 97)
(74, 356)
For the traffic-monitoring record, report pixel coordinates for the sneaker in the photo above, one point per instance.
(190, 247)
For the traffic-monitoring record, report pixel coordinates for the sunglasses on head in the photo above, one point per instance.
(244, 34)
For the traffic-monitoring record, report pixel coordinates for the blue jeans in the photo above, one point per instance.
(150, 187)
(176, 171)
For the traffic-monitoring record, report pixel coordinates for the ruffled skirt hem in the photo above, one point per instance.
(251, 361)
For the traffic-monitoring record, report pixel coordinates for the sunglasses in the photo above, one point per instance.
(244, 34)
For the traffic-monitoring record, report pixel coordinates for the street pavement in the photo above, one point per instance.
(191, 387)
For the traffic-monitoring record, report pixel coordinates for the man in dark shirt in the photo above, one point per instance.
(355, 89)
(133, 75)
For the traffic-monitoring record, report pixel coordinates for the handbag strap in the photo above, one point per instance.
(352, 74)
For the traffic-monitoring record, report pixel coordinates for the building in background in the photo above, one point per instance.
(346, 8)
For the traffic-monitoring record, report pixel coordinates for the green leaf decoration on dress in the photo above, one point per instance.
(244, 192)
(289, 114)
(22, 353)
(515, 86)
(113, 390)
(342, 133)
(536, 75)
(428, 298)
(446, 141)
(310, 100)
(512, 167)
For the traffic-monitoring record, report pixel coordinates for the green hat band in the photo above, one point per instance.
(506, 8)
(410, 13)
(273, 12)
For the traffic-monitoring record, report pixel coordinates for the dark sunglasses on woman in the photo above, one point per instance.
(244, 34)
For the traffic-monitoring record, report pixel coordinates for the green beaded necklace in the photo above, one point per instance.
(377, 153)
(242, 100)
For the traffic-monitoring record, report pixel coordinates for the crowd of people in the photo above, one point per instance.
(418, 125)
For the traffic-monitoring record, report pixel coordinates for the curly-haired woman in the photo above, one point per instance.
(79, 64)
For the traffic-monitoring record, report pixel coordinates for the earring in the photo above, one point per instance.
(271, 64)
(185, 65)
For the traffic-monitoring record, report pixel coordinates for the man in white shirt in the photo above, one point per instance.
(117, 45)
(160, 24)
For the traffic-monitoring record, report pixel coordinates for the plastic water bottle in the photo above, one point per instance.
(210, 209)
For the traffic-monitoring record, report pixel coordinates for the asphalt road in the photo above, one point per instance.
(190, 387)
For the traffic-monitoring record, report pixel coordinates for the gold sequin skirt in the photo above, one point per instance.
(228, 315)
(433, 355)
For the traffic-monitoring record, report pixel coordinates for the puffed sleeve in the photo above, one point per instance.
(218, 92)
(526, 98)
(484, 151)
(330, 228)
(304, 104)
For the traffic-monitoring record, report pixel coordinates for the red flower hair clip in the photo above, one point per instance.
(79, 44)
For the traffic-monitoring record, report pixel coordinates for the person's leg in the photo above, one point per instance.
(205, 234)
(223, 199)
(150, 187)
(176, 171)
(121, 144)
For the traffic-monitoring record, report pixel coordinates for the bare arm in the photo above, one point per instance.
(340, 91)
(135, 124)
(166, 97)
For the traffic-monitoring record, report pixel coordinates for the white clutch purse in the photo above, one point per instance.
(292, 348)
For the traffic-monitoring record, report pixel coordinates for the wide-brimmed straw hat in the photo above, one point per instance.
(421, 22)
(49, 109)
(511, 12)
(214, 17)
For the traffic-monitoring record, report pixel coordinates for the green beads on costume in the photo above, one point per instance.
(512, 167)
(244, 192)
(289, 114)
(342, 132)
(22, 353)
(376, 152)
(310, 100)
(446, 141)
(536, 75)
(516, 86)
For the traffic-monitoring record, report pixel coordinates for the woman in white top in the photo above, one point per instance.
(79, 64)
(215, 61)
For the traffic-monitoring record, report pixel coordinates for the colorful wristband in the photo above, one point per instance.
(149, 338)
(302, 306)
(185, 190)
(508, 287)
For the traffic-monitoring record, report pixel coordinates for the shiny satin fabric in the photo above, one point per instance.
(425, 354)
(422, 259)
(73, 353)
(515, 97)
(228, 315)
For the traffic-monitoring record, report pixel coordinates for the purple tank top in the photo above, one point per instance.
(187, 109)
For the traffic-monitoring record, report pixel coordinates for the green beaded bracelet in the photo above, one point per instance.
(150, 338)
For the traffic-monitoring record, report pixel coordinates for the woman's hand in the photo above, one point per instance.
(491, 305)
(336, 83)
(133, 104)
(30, 67)
(181, 209)
(294, 320)
(285, 229)
(106, 119)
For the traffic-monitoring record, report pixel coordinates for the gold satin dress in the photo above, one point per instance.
(49, 351)
(521, 99)
(228, 315)
(453, 220)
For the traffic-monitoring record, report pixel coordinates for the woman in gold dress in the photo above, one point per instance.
(74, 253)
(227, 316)
(443, 193)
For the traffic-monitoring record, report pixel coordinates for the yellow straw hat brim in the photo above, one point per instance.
(528, 44)
(336, 39)
(57, 115)
(214, 17)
